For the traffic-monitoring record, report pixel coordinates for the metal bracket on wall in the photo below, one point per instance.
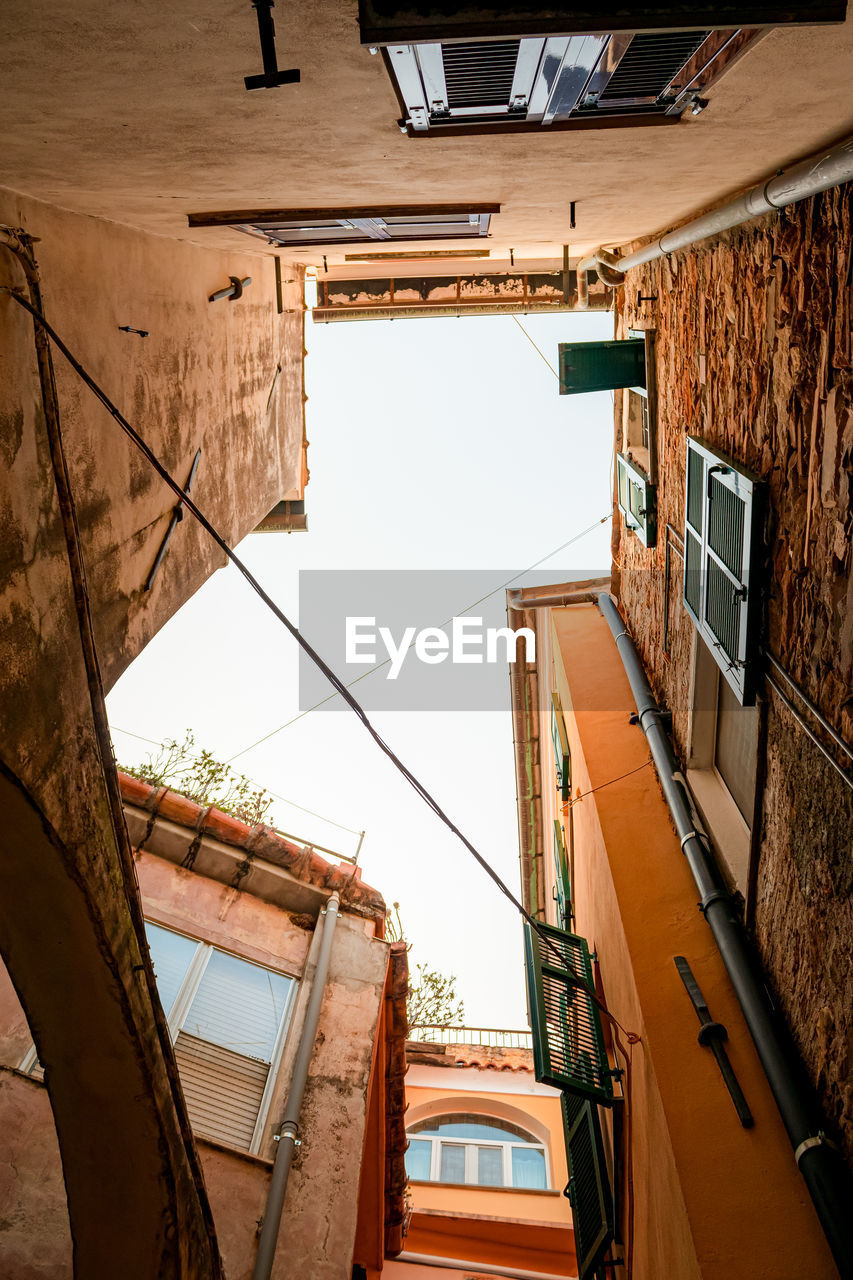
(712, 1034)
(177, 514)
(271, 78)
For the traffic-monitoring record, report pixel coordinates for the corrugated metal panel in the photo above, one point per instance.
(223, 1090)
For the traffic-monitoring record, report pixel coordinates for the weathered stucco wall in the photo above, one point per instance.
(320, 1210)
(201, 378)
(754, 354)
(186, 136)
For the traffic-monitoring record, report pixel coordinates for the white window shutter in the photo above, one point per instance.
(721, 546)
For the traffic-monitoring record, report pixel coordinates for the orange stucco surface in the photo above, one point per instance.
(508, 1227)
(703, 1185)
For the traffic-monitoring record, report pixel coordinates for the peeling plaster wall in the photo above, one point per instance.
(754, 354)
(319, 1218)
(202, 377)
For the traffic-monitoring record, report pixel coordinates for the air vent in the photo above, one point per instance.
(650, 64)
(479, 74)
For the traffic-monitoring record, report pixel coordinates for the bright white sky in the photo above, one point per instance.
(435, 444)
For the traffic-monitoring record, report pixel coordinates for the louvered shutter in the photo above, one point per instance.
(721, 541)
(637, 500)
(560, 740)
(568, 1044)
(589, 1187)
(601, 366)
(562, 875)
(226, 1045)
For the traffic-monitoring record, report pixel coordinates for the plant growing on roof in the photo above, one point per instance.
(199, 776)
(432, 999)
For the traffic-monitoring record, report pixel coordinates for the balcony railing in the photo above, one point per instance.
(489, 1036)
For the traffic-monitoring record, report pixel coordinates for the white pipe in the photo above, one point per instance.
(480, 1268)
(829, 169)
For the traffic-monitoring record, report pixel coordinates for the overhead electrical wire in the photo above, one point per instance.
(379, 665)
(533, 344)
(331, 821)
(190, 504)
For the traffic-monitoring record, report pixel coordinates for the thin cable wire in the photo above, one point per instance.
(331, 821)
(533, 344)
(379, 665)
(601, 785)
(190, 505)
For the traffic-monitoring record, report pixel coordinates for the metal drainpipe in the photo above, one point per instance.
(823, 1169)
(288, 1133)
(829, 169)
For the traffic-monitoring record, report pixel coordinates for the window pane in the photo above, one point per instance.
(528, 1167)
(171, 954)
(472, 1126)
(418, 1158)
(735, 750)
(452, 1163)
(490, 1166)
(239, 1005)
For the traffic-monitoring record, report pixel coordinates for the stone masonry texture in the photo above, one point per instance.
(754, 355)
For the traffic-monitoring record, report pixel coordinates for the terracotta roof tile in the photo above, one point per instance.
(260, 841)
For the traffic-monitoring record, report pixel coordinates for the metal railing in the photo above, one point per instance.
(491, 1037)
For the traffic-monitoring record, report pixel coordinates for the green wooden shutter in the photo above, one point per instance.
(721, 545)
(562, 875)
(560, 739)
(637, 500)
(601, 366)
(589, 1187)
(568, 1044)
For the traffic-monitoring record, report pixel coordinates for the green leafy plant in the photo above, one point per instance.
(432, 999)
(199, 776)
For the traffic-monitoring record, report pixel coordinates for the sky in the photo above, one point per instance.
(435, 444)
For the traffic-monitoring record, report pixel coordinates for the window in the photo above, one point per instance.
(227, 1018)
(722, 762)
(476, 1150)
(560, 741)
(721, 545)
(637, 498)
(292, 228)
(542, 81)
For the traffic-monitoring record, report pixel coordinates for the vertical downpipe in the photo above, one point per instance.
(288, 1133)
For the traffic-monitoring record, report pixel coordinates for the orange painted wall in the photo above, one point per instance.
(712, 1199)
(529, 1230)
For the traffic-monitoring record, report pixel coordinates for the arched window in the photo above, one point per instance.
(481, 1151)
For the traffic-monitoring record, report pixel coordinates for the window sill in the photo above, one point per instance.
(473, 1186)
(248, 1156)
(724, 823)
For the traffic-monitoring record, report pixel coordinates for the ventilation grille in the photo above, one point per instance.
(479, 74)
(651, 63)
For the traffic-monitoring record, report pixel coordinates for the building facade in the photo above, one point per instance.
(234, 920)
(486, 1161)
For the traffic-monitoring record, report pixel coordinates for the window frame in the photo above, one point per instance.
(375, 224)
(471, 1145)
(731, 833)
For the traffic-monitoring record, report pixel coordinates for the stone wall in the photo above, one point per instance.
(754, 354)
